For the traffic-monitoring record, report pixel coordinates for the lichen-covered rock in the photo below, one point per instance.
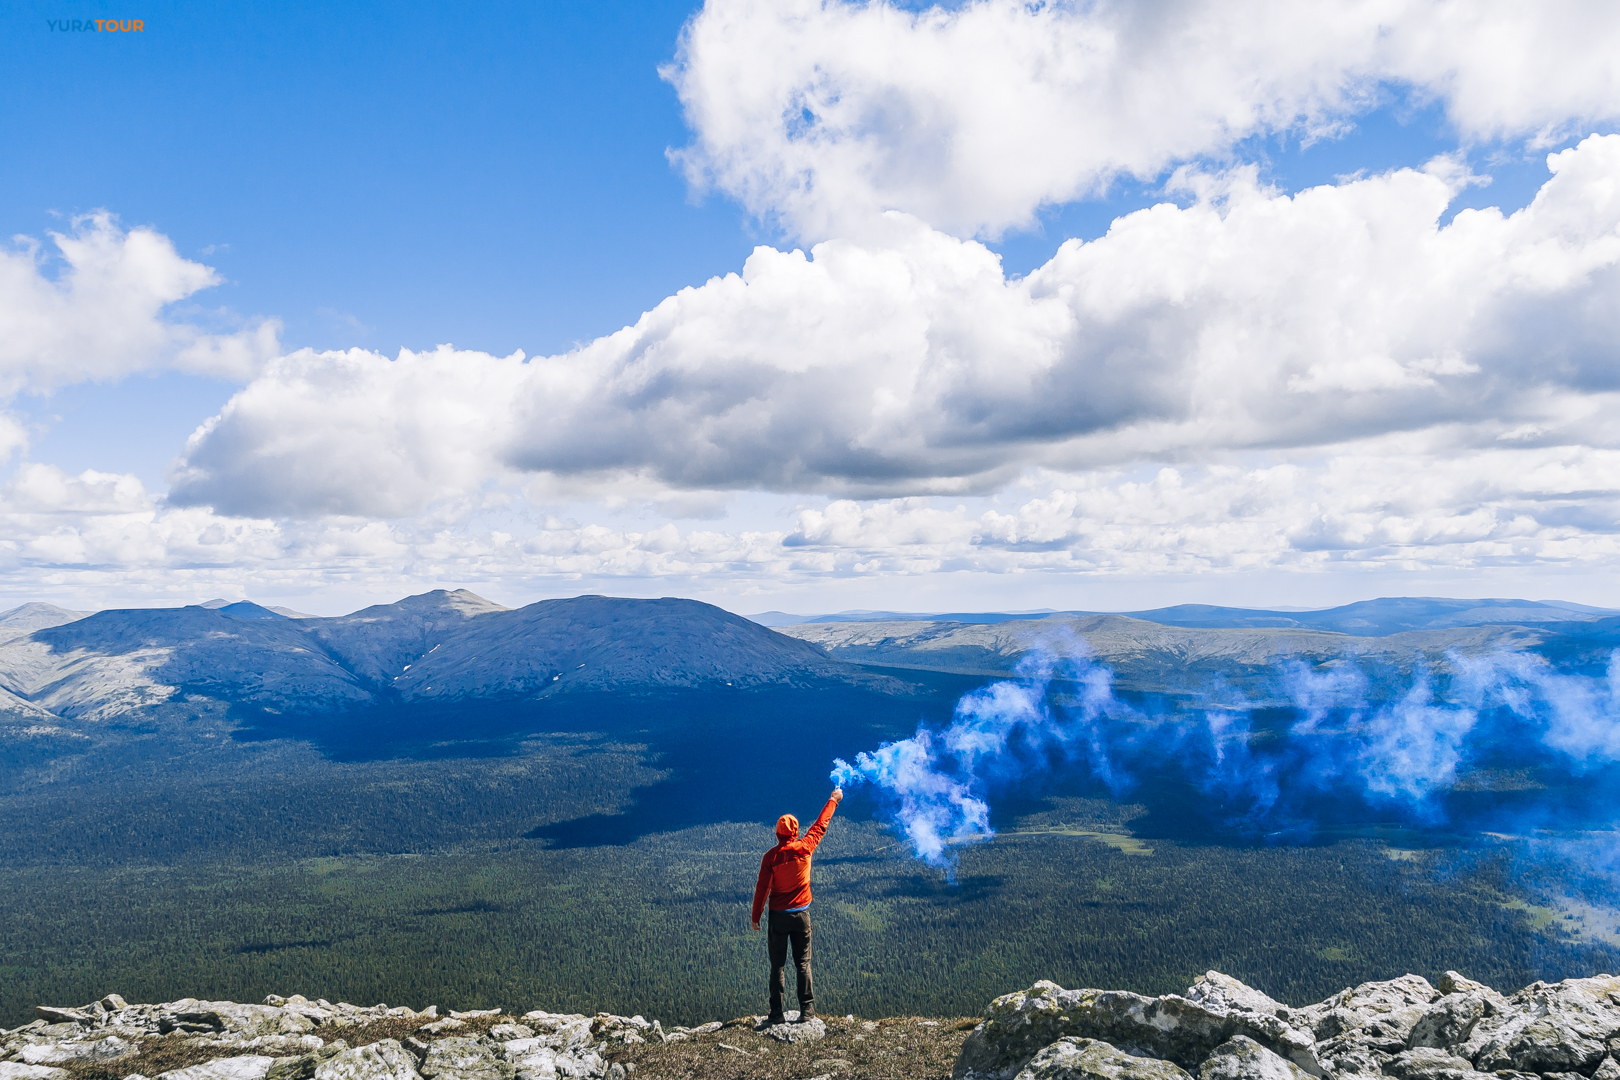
(1241, 1058)
(1226, 994)
(1092, 1059)
(1558, 1028)
(808, 1031)
(560, 1031)
(250, 1067)
(1018, 1026)
(461, 1058)
(1428, 1063)
(383, 1060)
(1608, 1069)
(1449, 1021)
(534, 1059)
(303, 1066)
(76, 1048)
(16, 1070)
(1378, 1014)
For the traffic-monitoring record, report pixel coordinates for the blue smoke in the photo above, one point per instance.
(1319, 741)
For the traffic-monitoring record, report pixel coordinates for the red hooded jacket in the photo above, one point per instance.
(784, 872)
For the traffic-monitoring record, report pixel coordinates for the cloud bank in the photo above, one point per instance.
(821, 113)
(1307, 327)
(1240, 377)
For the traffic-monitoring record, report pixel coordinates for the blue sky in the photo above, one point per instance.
(380, 177)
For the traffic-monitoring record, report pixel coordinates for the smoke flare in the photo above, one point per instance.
(1396, 745)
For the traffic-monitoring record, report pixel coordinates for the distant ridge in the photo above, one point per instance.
(1365, 618)
(432, 649)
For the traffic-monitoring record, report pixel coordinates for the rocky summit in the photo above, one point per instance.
(1218, 1029)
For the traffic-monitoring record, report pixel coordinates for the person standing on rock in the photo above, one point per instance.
(784, 878)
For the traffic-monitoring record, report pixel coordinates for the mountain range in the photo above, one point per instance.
(438, 647)
(443, 647)
(1365, 618)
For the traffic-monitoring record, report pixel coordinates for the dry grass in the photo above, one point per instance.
(897, 1048)
(160, 1054)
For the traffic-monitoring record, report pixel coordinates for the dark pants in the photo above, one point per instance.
(790, 928)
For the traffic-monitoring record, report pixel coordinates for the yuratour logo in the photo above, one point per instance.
(100, 26)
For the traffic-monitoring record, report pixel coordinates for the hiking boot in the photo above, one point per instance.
(774, 1019)
(806, 1013)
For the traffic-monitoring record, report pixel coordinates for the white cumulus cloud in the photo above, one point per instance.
(102, 316)
(1248, 319)
(820, 113)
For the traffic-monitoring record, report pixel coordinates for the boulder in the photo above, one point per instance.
(1558, 1028)
(1091, 1059)
(1428, 1063)
(1222, 993)
(1018, 1026)
(1449, 1021)
(1241, 1058)
(461, 1058)
(382, 1060)
(251, 1067)
(107, 1048)
(795, 1032)
(563, 1051)
(1608, 1069)
(53, 1015)
(303, 1066)
(17, 1070)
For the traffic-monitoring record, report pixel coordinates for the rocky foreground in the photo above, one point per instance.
(1219, 1029)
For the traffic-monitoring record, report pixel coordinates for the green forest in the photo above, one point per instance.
(659, 926)
(603, 859)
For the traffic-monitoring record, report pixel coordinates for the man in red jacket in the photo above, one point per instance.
(784, 876)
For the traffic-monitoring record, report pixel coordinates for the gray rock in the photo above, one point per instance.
(1428, 1063)
(54, 1015)
(383, 1060)
(1091, 1059)
(560, 1031)
(1018, 1026)
(460, 1058)
(808, 1031)
(1449, 1021)
(1241, 1058)
(112, 1003)
(109, 1048)
(1223, 993)
(508, 1032)
(16, 1070)
(1376, 1014)
(252, 1067)
(1608, 1069)
(303, 1066)
(1453, 983)
(1558, 1028)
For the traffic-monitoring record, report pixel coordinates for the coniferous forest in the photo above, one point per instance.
(601, 856)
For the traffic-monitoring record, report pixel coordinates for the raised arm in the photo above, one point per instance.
(819, 829)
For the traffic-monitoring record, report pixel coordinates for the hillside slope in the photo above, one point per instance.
(439, 646)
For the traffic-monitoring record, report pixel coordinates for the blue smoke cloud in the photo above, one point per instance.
(1317, 738)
